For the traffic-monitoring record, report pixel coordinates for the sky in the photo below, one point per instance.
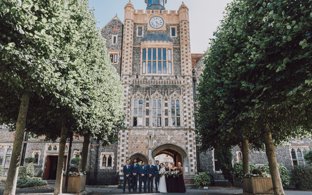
(205, 16)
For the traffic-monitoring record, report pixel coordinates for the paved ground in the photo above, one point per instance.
(103, 190)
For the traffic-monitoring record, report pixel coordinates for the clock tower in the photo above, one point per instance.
(156, 73)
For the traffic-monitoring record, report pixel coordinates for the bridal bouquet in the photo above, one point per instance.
(173, 173)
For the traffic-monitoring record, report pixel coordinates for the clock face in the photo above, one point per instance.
(156, 22)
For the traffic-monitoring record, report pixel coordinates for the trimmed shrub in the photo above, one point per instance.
(238, 170)
(301, 178)
(1, 170)
(202, 179)
(30, 182)
(22, 172)
(30, 170)
(29, 160)
(308, 157)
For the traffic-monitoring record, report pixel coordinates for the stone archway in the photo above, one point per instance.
(176, 152)
(139, 157)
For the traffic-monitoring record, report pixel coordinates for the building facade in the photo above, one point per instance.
(151, 51)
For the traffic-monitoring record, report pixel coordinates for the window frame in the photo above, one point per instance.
(160, 64)
(114, 57)
(176, 31)
(107, 154)
(137, 31)
(114, 37)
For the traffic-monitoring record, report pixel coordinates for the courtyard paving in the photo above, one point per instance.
(102, 190)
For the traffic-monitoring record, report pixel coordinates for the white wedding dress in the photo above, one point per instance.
(162, 181)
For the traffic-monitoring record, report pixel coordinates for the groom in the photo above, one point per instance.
(150, 176)
(157, 176)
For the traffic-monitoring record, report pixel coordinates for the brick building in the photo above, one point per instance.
(150, 50)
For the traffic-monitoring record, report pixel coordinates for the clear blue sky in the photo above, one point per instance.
(205, 16)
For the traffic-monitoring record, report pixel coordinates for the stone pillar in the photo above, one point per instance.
(127, 50)
(186, 59)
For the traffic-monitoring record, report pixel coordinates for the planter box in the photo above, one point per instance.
(258, 185)
(76, 184)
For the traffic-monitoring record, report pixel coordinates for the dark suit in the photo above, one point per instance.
(150, 177)
(135, 173)
(142, 177)
(157, 176)
(127, 171)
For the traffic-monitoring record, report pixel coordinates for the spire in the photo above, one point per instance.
(155, 4)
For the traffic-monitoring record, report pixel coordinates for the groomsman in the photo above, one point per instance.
(127, 171)
(142, 176)
(150, 176)
(135, 173)
(157, 176)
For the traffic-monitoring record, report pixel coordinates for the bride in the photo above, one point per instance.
(162, 180)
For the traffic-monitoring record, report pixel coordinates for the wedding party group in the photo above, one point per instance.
(163, 178)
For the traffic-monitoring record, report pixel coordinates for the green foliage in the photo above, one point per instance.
(30, 169)
(202, 179)
(301, 178)
(29, 160)
(308, 157)
(1, 170)
(22, 172)
(26, 171)
(238, 170)
(257, 75)
(30, 182)
(41, 51)
(261, 171)
(75, 161)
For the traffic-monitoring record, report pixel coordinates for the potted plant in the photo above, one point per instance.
(202, 180)
(258, 182)
(76, 178)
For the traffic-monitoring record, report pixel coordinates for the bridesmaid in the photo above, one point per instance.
(180, 180)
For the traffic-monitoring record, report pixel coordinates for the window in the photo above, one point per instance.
(175, 113)
(114, 39)
(2, 153)
(300, 157)
(107, 160)
(140, 31)
(8, 157)
(114, 58)
(173, 31)
(157, 61)
(138, 113)
(156, 112)
(297, 157)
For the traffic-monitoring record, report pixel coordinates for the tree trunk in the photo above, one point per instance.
(10, 185)
(85, 151)
(60, 161)
(274, 170)
(245, 151)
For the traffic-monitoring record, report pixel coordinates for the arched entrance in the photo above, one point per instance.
(170, 153)
(139, 157)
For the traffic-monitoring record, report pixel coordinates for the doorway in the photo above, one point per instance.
(50, 167)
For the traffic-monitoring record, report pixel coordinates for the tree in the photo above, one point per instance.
(260, 71)
(41, 56)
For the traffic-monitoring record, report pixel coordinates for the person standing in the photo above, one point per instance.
(150, 176)
(127, 171)
(180, 179)
(157, 176)
(135, 172)
(162, 181)
(142, 176)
